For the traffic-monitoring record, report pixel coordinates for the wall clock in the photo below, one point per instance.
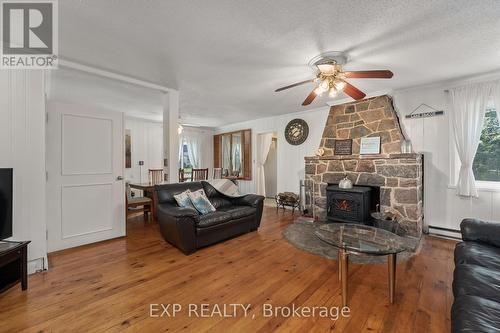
(296, 132)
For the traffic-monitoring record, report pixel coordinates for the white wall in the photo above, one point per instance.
(22, 147)
(434, 138)
(290, 158)
(147, 146)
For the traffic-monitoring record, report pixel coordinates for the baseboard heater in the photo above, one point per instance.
(444, 232)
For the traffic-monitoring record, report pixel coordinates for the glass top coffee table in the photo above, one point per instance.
(361, 239)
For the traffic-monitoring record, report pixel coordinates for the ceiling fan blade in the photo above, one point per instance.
(309, 98)
(377, 74)
(354, 92)
(294, 85)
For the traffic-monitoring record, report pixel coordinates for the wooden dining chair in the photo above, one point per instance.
(145, 203)
(217, 173)
(155, 176)
(199, 174)
(182, 178)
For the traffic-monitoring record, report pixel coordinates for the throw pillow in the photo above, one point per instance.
(200, 202)
(183, 199)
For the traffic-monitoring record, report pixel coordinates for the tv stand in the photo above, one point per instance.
(13, 264)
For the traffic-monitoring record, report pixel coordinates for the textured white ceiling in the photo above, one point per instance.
(70, 86)
(227, 56)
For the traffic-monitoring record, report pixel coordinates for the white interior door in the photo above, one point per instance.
(85, 164)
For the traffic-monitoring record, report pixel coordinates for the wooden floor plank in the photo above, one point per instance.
(108, 286)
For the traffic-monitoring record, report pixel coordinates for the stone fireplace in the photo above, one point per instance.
(397, 176)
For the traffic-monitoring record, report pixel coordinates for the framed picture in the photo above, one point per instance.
(370, 146)
(343, 147)
(128, 149)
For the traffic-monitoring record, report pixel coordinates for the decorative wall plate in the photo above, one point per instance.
(296, 132)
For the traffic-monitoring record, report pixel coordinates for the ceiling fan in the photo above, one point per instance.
(332, 79)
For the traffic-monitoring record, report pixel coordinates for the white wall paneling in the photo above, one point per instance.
(147, 145)
(22, 147)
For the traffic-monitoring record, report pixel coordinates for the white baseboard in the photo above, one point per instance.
(444, 232)
(37, 265)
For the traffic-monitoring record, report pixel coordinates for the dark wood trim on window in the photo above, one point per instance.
(217, 151)
(246, 144)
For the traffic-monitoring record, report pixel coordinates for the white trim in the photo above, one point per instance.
(134, 118)
(112, 75)
(483, 186)
(37, 265)
(488, 186)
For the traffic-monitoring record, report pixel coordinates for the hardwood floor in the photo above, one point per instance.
(109, 286)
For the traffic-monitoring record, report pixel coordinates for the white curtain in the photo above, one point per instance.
(495, 95)
(194, 143)
(468, 109)
(263, 145)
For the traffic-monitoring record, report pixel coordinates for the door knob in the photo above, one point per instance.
(119, 178)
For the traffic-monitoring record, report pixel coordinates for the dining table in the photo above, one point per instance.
(149, 191)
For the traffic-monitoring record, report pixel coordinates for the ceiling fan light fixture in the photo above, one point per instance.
(333, 92)
(318, 91)
(339, 85)
(324, 85)
(330, 78)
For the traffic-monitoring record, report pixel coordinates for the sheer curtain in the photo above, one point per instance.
(468, 109)
(193, 142)
(495, 95)
(263, 145)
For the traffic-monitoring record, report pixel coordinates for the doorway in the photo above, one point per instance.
(87, 119)
(267, 167)
(271, 169)
(85, 201)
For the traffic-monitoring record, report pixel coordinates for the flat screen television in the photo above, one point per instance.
(5, 203)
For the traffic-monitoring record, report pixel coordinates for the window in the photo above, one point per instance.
(184, 162)
(232, 154)
(486, 164)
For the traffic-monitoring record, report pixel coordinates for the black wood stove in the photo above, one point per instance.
(349, 205)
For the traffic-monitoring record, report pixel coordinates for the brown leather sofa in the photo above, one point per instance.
(187, 230)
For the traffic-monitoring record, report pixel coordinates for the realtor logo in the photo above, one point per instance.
(29, 34)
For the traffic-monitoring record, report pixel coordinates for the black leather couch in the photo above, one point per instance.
(187, 230)
(476, 280)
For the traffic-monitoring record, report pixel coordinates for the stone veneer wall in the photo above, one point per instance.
(367, 118)
(399, 176)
